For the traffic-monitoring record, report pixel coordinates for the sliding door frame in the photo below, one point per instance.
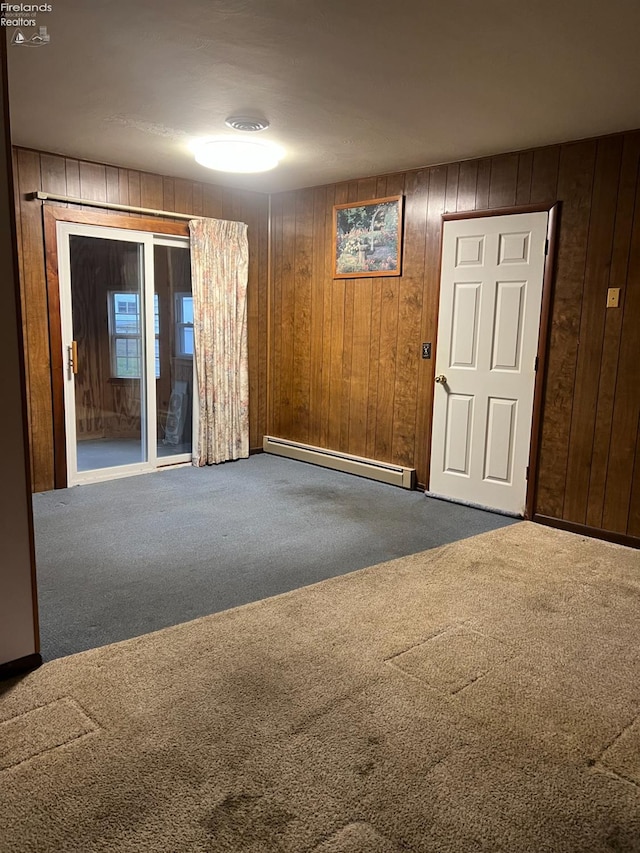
(52, 214)
(148, 414)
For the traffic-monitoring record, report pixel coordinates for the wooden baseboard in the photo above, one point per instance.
(17, 667)
(585, 530)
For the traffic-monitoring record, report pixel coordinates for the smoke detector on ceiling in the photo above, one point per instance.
(247, 123)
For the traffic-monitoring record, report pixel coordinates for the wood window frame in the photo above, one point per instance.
(53, 213)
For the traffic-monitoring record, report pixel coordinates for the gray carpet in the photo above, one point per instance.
(482, 697)
(119, 559)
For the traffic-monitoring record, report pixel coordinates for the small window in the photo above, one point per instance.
(184, 325)
(125, 338)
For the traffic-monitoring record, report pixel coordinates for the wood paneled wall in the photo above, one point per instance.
(35, 170)
(345, 356)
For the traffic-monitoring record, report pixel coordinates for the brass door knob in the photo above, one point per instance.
(441, 379)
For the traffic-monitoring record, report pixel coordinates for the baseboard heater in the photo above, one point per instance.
(396, 475)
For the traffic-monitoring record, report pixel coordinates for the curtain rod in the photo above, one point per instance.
(128, 208)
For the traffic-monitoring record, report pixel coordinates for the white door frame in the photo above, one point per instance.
(64, 229)
(553, 209)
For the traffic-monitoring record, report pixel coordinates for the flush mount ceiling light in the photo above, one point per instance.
(231, 154)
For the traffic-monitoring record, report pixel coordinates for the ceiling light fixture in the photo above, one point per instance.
(228, 154)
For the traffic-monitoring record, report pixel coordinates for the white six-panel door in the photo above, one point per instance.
(490, 300)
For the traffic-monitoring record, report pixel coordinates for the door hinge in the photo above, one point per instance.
(526, 476)
(546, 246)
(535, 364)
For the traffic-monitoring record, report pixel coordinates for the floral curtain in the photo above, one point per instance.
(219, 271)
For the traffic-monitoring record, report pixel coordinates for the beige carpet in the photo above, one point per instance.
(484, 696)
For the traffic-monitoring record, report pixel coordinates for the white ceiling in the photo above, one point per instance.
(351, 88)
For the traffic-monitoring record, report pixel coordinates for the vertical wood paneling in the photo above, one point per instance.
(211, 201)
(196, 206)
(72, 171)
(544, 175)
(151, 191)
(335, 381)
(326, 271)
(504, 181)
(93, 182)
(353, 194)
(52, 173)
(260, 284)
(374, 367)
(135, 192)
(301, 329)
(483, 184)
(411, 293)
(113, 186)
(621, 510)
(451, 195)
(123, 187)
(366, 189)
(287, 315)
(337, 344)
(525, 170)
(633, 524)
(374, 347)
(387, 369)
(429, 321)
(253, 321)
(467, 185)
(183, 196)
(359, 391)
(168, 194)
(585, 392)
(274, 424)
(357, 329)
(608, 386)
(317, 339)
(385, 391)
(575, 186)
(372, 394)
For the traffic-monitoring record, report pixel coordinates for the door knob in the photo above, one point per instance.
(441, 379)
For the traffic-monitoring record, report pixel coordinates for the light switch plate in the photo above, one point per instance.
(613, 297)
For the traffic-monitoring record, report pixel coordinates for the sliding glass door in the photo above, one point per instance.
(174, 378)
(127, 329)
